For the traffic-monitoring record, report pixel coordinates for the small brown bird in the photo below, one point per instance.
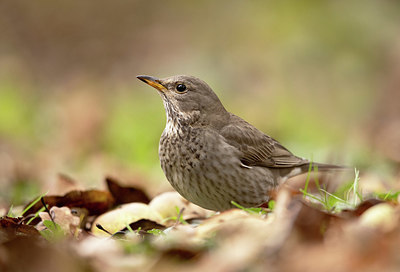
(212, 157)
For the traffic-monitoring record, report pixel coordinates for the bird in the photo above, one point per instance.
(214, 158)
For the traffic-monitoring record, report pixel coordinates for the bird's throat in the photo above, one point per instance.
(177, 118)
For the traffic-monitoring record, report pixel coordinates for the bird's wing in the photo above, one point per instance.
(257, 148)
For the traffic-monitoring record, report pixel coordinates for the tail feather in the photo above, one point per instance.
(314, 167)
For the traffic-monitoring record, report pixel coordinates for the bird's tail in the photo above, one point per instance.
(315, 167)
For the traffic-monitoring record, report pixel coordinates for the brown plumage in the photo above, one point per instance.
(212, 157)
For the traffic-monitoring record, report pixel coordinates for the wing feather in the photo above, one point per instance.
(257, 148)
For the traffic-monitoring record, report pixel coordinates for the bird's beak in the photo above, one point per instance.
(153, 81)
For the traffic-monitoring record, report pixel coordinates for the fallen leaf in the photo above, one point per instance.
(119, 218)
(123, 194)
(11, 227)
(312, 223)
(95, 201)
(361, 208)
(145, 225)
(169, 203)
(68, 222)
(382, 216)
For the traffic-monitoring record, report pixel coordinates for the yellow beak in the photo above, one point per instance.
(152, 81)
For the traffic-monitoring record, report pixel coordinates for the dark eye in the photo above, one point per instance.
(180, 88)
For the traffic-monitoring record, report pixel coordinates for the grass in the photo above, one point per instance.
(33, 203)
(156, 232)
(258, 211)
(346, 197)
(178, 218)
(389, 196)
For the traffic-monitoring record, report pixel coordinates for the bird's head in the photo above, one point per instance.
(187, 97)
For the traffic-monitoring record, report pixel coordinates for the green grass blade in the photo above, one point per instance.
(307, 180)
(312, 196)
(33, 203)
(356, 187)
(335, 197)
(36, 215)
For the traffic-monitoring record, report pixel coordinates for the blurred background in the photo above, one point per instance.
(322, 77)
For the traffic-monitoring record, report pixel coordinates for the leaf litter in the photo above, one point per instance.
(124, 229)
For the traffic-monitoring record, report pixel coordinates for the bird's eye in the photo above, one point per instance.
(180, 88)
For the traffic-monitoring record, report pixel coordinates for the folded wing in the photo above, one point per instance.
(257, 148)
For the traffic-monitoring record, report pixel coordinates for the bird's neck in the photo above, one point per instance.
(178, 125)
(177, 118)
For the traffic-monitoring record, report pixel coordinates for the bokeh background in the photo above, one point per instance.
(322, 77)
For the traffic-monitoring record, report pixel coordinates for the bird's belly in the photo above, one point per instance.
(209, 174)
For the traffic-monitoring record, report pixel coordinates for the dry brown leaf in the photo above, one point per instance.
(312, 223)
(68, 222)
(95, 201)
(361, 208)
(144, 225)
(11, 227)
(124, 195)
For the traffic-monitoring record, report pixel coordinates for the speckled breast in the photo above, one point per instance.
(204, 169)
